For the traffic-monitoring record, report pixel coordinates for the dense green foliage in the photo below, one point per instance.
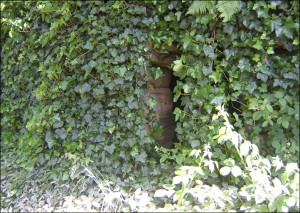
(255, 183)
(73, 80)
(251, 65)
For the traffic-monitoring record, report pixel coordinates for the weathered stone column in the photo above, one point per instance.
(160, 91)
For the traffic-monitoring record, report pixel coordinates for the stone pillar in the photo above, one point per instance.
(160, 91)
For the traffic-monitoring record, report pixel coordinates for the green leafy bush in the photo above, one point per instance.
(254, 183)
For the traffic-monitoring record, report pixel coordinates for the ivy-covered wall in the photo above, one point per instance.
(249, 63)
(73, 81)
(73, 78)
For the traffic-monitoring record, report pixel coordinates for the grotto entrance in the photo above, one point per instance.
(161, 90)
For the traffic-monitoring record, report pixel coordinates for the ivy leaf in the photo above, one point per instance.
(98, 91)
(289, 99)
(209, 51)
(89, 46)
(64, 85)
(180, 172)
(262, 208)
(177, 113)
(278, 31)
(110, 149)
(262, 76)
(228, 53)
(178, 65)
(168, 18)
(288, 33)
(217, 100)
(179, 160)
(157, 72)
(121, 71)
(176, 96)
(85, 88)
(113, 52)
(49, 139)
(279, 94)
(195, 143)
(62, 132)
(277, 203)
(296, 41)
(168, 186)
(206, 70)
(186, 41)
(202, 92)
(65, 176)
(178, 15)
(58, 124)
(163, 158)
(258, 45)
(185, 88)
(92, 64)
(270, 50)
(178, 195)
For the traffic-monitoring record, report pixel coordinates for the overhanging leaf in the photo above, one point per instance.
(228, 9)
(199, 7)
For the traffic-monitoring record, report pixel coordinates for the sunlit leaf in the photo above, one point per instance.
(177, 179)
(178, 195)
(178, 65)
(229, 162)
(245, 148)
(225, 170)
(160, 193)
(236, 171)
(185, 88)
(168, 186)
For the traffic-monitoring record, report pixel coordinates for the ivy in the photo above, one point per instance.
(75, 95)
(74, 75)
